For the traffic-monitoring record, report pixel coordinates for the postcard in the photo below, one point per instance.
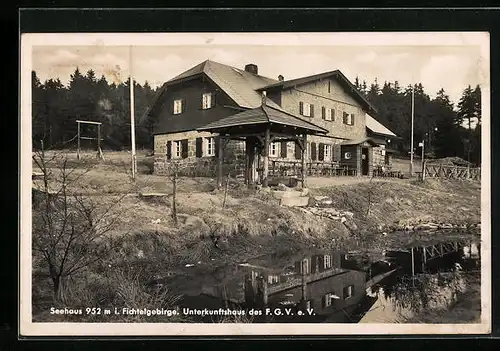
(185, 184)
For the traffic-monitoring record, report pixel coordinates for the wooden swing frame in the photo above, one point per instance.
(79, 137)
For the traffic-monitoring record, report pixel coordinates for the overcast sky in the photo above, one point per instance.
(451, 67)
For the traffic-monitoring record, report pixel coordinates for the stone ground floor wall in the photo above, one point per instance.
(234, 155)
(198, 165)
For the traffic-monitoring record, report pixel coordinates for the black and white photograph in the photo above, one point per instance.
(255, 183)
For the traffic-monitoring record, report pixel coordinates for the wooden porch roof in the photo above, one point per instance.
(263, 115)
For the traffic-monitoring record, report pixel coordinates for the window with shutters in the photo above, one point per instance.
(327, 153)
(348, 292)
(327, 300)
(177, 149)
(210, 146)
(327, 261)
(206, 102)
(273, 149)
(305, 268)
(177, 106)
(348, 118)
(306, 109)
(329, 114)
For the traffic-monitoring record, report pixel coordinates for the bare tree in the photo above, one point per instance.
(69, 231)
(371, 187)
(228, 180)
(174, 169)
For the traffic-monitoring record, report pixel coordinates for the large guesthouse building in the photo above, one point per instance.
(194, 107)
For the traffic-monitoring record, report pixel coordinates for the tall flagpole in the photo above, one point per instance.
(412, 124)
(132, 122)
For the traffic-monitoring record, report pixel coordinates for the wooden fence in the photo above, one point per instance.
(452, 172)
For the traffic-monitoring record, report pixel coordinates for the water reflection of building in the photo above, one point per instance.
(319, 282)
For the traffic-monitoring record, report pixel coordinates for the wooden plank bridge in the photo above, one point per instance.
(422, 254)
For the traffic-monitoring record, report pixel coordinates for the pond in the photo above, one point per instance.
(330, 286)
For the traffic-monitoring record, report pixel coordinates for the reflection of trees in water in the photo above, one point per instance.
(424, 291)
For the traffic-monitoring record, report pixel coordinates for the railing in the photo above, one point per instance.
(296, 281)
(452, 172)
(285, 168)
(386, 171)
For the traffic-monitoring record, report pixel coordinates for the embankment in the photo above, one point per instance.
(248, 223)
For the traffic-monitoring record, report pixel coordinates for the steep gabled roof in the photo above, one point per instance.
(350, 88)
(263, 115)
(245, 89)
(377, 127)
(239, 84)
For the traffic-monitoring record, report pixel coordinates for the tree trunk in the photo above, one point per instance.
(58, 288)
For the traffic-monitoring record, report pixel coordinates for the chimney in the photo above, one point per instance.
(264, 98)
(252, 68)
(281, 78)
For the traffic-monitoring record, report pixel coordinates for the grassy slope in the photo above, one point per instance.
(258, 216)
(409, 202)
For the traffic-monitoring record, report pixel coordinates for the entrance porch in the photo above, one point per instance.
(258, 128)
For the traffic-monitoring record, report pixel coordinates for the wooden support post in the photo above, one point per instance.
(99, 153)
(441, 249)
(424, 259)
(412, 263)
(423, 169)
(253, 164)
(304, 283)
(303, 154)
(265, 180)
(247, 162)
(78, 147)
(220, 154)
